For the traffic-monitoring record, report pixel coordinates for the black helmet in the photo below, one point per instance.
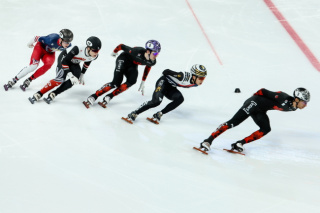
(94, 43)
(66, 35)
(302, 94)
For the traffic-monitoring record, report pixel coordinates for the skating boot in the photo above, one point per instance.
(90, 100)
(50, 97)
(35, 97)
(106, 100)
(25, 84)
(155, 118)
(131, 117)
(204, 147)
(10, 84)
(238, 146)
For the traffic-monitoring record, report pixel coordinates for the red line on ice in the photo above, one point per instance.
(204, 32)
(304, 48)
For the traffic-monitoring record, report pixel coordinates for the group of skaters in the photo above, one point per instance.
(69, 73)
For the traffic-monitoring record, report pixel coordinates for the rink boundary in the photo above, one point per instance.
(204, 32)
(303, 47)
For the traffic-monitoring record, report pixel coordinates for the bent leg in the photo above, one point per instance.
(48, 60)
(37, 54)
(76, 71)
(131, 75)
(262, 120)
(177, 98)
(238, 118)
(157, 97)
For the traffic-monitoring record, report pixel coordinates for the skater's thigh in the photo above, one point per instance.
(238, 118)
(160, 89)
(131, 75)
(37, 53)
(75, 69)
(173, 93)
(262, 120)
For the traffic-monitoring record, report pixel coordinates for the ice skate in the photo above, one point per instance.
(106, 100)
(131, 117)
(90, 100)
(155, 118)
(50, 97)
(35, 97)
(204, 147)
(25, 84)
(236, 148)
(9, 84)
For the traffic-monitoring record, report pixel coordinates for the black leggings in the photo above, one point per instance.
(260, 118)
(76, 71)
(124, 68)
(163, 89)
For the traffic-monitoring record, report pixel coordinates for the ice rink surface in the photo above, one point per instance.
(66, 158)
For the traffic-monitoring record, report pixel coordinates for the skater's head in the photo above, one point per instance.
(199, 73)
(93, 46)
(153, 48)
(66, 36)
(301, 97)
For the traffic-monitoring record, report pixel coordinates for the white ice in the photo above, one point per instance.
(66, 158)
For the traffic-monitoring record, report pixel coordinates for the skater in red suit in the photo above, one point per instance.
(69, 72)
(256, 107)
(127, 65)
(44, 50)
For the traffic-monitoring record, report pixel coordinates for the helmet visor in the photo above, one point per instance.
(95, 51)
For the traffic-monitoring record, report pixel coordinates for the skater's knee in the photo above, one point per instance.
(265, 130)
(155, 103)
(47, 66)
(130, 83)
(231, 124)
(178, 98)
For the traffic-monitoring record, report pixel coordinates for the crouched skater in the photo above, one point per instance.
(256, 107)
(166, 86)
(69, 72)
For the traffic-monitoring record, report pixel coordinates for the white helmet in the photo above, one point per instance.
(302, 94)
(199, 70)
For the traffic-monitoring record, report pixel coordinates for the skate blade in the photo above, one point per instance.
(234, 152)
(127, 119)
(203, 152)
(153, 121)
(102, 104)
(86, 104)
(6, 87)
(31, 100)
(23, 88)
(47, 101)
